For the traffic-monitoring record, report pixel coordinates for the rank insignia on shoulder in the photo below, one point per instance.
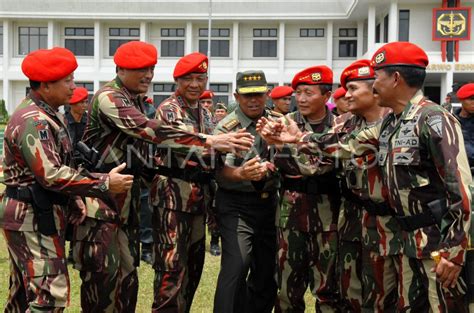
(231, 124)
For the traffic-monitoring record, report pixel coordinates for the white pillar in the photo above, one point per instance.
(51, 34)
(97, 47)
(360, 39)
(144, 31)
(96, 85)
(446, 83)
(281, 52)
(8, 96)
(189, 38)
(235, 54)
(6, 61)
(371, 30)
(329, 43)
(393, 21)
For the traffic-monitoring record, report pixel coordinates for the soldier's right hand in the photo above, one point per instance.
(230, 142)
(253, 169)
(119, 183)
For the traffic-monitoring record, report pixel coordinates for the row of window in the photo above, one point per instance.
(79, 41)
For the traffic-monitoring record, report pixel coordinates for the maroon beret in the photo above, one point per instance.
(46, 65)
(339, 93)
(281, 91)
(359, 70)
(136, 54)
(78, 95)
(315, 75)
(206, 94)
(466, 91)
(399, 53)
(191, 63)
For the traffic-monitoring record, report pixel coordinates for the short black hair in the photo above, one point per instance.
(413, 76)
(34, 84)
(325, 88)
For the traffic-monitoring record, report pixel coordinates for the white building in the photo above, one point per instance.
(278, 37)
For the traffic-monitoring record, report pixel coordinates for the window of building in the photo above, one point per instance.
(347, 32)
(1, 40)
(32, 38)
(172, 46)
(404, 25)
(385, 28)
(219, 46)
(89, 86)
(162, 91)
(221, 93)
(79, 40)
(347, 48)
(311, 32)
(377, 33)
(265, 45)
(119, 36)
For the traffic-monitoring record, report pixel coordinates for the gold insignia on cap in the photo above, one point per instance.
(204, 65)
(246, 78)
(379, 58)
(316, 77)
(259, 77)
(363, 71)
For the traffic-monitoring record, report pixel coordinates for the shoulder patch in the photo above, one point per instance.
(43, 134)
(231, 124)
(436, 124)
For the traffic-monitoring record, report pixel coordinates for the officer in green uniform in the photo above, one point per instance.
(246, 201)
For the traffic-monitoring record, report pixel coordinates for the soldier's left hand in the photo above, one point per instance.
(231, 142)
(447, 272)
(78, 211)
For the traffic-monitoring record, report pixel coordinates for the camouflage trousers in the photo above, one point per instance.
(178, 254)
(350, 256)
(379, 281)
(419, 290)
(306, 258)
(106, 255)
(39, 279)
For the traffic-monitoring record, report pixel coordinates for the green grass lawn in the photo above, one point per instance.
(203, 300)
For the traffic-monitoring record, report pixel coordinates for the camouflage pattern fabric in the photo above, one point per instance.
(38, 150)
(307, 231)
(179, 212)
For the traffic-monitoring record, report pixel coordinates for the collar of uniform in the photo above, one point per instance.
(327, 120)
(183, 102)
(125, 90)
(245, 121)
(36, 97)
(70, 119)
(410, 110)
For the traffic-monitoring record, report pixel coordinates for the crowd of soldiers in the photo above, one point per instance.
(368, 203)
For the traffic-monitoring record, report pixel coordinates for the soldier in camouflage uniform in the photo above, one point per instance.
(426, 172)
(246, 201)
(106, 245)
(41, 182)
(309, 207)
(179, 194)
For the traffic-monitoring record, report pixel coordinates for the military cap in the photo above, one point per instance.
(281, 91)
(251, 82)
(221, 106)
(191, 63)
(315, 75)
(359, 70)
(79, 94)
(339, 93)
(46, 65)
(136, 54)
(399, 53)
(466, 91)
(206, 94)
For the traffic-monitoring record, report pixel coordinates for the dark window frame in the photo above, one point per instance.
(41, 36)
(312, 32)
(404, 21)
(120, 35)
(347, 51)
(348, 32)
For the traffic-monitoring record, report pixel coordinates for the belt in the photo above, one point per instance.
(413, 222)
(23, 194)
(250, 194)
(372, 208)
(189, 175)
(306, 185)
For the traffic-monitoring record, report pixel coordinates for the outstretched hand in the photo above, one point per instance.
(231, 142)
(277, 133)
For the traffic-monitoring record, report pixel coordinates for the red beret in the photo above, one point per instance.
(192, 63)
(78, 95)
(206, 94)
(315, 75)
(466, 91)
(136, 54)
(359, 70)
(281, 91)
(399, 53)
(339, 93)
(47, 65)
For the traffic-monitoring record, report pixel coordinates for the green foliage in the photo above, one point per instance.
(3, 112)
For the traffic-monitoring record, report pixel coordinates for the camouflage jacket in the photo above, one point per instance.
(306, 211)
(118, 128)
(37, 148)
(175, 193)
(425, 167)
(233, 122)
